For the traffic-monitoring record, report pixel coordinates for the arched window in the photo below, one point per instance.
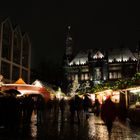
(25, 51)
(17, 46)
(7, 40)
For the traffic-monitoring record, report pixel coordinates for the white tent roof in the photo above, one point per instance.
(37, 83)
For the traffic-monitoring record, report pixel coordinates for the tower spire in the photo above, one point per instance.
(69, 43)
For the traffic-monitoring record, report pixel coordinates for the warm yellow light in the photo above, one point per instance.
(135, 90)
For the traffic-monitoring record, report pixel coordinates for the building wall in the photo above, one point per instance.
(101, 70)
(15, 53)
(97, 66)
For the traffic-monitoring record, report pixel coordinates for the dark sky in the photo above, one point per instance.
(95, 24)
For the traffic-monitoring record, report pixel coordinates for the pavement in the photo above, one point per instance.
(54, 127)
(92, 128)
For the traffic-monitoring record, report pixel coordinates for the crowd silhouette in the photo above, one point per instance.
(17, 112)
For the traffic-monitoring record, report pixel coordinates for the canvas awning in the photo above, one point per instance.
(20, 81)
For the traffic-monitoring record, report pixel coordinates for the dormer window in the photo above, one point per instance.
(98, 55)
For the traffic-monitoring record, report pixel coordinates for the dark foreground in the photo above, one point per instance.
(54, 127)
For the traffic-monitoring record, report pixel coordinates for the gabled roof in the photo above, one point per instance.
(117, 54)
(97, 55)
(120, 54)
(80, 58)
(20, 81)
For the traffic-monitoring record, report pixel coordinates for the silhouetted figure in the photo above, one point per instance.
(86, 105)
(78, 107)
(9, 111)
(96, 107)
(62, 107)
(72, 109)
(28, 106)
(108, 113)
(49, 105)
(40, 106)
(55, 102)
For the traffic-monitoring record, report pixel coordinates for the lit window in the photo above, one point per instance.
(82, 76)
(119, 75)
(76, 76)
(115, 75)
(86, 76)
(110, 75)
(73, 77)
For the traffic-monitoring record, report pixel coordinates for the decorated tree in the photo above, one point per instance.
(75, 87)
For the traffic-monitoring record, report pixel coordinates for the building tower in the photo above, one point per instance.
(69, 43)
(67, 58)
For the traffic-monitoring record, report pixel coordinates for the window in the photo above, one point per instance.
(76, 76)
(6, 41)
(86, 76)
(5, 69)
(98, 74)
(73, 78)
(82, 77)
(25, 75)
(115, 75)
(119, 75)
(16, 48)
(25, 52)
(15, 73)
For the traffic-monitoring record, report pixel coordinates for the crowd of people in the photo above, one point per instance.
(15, 111)
(75, 106)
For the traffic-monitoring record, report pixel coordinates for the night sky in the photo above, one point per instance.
(94, 24)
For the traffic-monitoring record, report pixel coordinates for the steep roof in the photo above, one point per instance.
(120, 54)
(20, 81)
(81, 58)
(117, 54)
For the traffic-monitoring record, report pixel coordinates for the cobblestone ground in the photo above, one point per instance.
(56, 128)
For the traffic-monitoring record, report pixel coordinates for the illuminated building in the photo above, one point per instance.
(15, 53)
(99, 66)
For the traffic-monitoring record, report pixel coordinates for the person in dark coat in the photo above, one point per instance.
(108, 113)
(78, 107)
(62, 106)
(96, 107)
(72, 109)
(40, 106)
(86, 105)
